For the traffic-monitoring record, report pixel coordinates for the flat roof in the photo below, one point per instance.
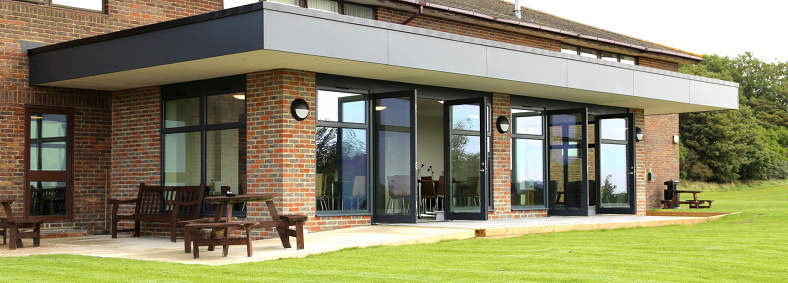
(268, 35)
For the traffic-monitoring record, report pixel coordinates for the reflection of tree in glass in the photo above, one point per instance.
(326, 155)
(464, 164)
(351, 162)
(607, 189)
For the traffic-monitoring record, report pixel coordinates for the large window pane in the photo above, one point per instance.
(97, 5)
(53, 157)
(47, 198)
(527, 122)
(341, 169)
(465, 117)
(324, 5)
(226, 108)
(182, 159)
(182, 112)
(53, 125)
(528, 187)
(613, 170)
(359, 11)
(225, 161)
(614, 129)
(340, 107)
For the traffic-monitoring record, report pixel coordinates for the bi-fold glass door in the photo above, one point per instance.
(615, 163)
(567, 133)
(466, 127)
(394, 138)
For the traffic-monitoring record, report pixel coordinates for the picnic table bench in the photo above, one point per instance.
(168, 204)
(216, 232)
(693, 203)
(17, 229)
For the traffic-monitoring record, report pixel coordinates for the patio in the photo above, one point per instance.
(161, 249)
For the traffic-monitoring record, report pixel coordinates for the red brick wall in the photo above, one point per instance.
(92, 109)
(439, 24)
(662, 155)
(658, 64)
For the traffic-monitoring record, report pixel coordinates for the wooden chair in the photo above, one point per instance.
(17, 229)
(427, 192)
(160, 204)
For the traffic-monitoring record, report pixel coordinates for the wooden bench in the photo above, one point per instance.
(17, 229)
(285, 232)
(187, 244)
(219, 235)
(700, 203)
(166, 204)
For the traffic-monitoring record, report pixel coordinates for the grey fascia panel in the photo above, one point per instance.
(222, 36)
(662, 87)
(711, 94)
(599, 77)
(526, 67)
(436, 54)
(323, 37)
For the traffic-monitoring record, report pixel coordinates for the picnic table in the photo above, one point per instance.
(693, 203)
(18, 228)
(225, 225)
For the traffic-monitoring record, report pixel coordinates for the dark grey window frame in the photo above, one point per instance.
(598, 53)
(201, 89)
(545, 162)
(369, 135)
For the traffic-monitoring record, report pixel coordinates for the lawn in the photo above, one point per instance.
(749, 246)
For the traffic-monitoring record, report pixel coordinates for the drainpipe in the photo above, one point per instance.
(517, 9)
(421, 10)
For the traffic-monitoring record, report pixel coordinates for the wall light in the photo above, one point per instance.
(299, 109)
(638, 134)
(502, 123)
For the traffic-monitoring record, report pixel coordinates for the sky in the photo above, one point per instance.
(723, 27)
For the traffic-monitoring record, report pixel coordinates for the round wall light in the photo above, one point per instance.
(300, 109)
(638, 134)
(502, 123)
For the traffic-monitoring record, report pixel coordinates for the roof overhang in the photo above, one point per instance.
(268, 35)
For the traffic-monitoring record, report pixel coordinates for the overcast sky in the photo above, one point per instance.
(724, 27)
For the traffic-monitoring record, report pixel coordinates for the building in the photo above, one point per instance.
(522, 117)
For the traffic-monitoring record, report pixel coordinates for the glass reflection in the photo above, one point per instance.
(182, 159)
(226, 108)
(341, 169)
(566, 162)
(527, 122)
(528, 176)
(613, 169)
(614, 129)
(47, 198)
(465, 118)
(392, 119)
(340, 107)
(182, 112)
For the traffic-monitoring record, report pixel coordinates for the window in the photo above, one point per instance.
(592, 53)
(341, 152)
(528, 169)
(204, 135)
(50, 136)
(92, 5)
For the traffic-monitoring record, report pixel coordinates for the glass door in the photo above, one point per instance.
(568, 162)
(49, 151)
(394, 137)
(615, 163)
(466, 155)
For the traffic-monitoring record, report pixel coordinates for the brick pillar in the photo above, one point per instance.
(501, 159)
(640, 166)
(280, 150)
(662, 155)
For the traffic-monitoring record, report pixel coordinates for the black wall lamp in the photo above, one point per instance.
(502, 123)
(300, 109)
(638, 134)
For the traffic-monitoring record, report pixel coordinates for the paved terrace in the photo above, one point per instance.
(161, 249)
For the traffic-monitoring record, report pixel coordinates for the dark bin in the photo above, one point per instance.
(672, 186)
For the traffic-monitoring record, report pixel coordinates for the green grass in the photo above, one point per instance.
(745, 247)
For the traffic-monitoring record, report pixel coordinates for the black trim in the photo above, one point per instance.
(631, 175)
(484, 167)
(581, 145)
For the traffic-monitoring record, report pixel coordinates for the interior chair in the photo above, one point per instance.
(427, 192)
(473, 186)
(359, 196)
(399, 191)
(320, 198)
(440, 193)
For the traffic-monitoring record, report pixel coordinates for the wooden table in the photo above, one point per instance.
(694, 203)
(14, 226)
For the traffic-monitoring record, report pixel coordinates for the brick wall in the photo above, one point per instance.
(92, 109)
(662, 155)
(444, 25)
(658, 64)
